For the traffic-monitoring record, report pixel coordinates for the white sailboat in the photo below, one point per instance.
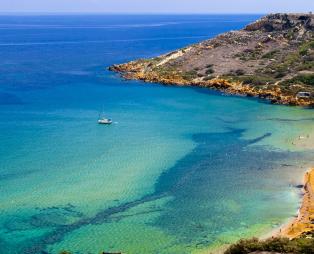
(103, 120)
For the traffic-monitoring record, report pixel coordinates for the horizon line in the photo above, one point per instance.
(129, 13)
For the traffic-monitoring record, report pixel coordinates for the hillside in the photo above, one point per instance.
(272, 58)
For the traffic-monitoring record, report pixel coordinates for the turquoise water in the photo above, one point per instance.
(181, 170)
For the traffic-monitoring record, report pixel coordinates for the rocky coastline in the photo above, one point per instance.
(272, 59)
(274, 95)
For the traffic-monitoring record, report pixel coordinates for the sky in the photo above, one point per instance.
(158, 6)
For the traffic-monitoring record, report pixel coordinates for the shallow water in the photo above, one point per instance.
(180, 170)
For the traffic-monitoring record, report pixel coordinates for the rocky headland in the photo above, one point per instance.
(272, 58)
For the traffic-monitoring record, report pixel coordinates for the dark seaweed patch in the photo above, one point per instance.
(172, 182)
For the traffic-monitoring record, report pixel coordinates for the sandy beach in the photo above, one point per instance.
(304, 221)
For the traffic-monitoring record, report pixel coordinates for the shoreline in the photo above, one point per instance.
(274, 96)
(135, 71)
(303, 223)
(242, 62)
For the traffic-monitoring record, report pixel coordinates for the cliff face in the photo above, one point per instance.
(272, 58)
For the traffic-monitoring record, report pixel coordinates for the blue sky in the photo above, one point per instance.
(158, 6)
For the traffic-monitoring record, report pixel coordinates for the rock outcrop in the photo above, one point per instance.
(281, 22)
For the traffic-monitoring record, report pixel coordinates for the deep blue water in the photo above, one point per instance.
(180, 170)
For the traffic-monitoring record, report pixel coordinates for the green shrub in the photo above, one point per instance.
(239, 72)
(244, 246)
(280, 73)
(282, 245)
(307, 65)
(209, 71)
(304, 48)
(249, 54)
(306, 79)
(189, 75)
(255, 80)
(270, 54)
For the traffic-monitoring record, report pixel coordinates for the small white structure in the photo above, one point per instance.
(104, 121)
(303, 95)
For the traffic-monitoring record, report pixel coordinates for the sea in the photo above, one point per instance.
(180, 170)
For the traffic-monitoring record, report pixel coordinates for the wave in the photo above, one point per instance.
(39, 26)
(121, 26)
(99, 41)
